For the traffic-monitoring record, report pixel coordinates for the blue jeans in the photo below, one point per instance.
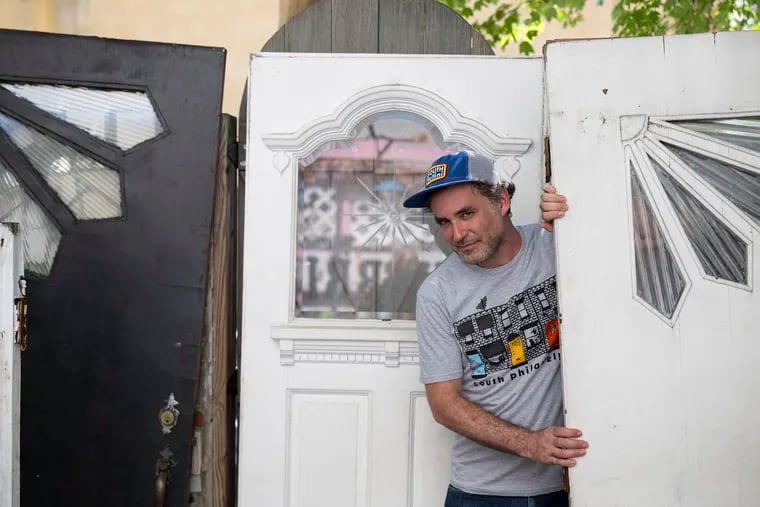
(458, 498)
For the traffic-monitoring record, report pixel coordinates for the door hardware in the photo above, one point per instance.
(169, 415)
(21, 314)
(164, 466)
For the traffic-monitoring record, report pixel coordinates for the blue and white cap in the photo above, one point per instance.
(451, 169)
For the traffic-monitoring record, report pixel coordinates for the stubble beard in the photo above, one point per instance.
(487, 248)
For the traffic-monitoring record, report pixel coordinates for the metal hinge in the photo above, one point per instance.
(21, 314)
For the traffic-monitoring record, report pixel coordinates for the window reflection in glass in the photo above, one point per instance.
(743, 132)
(361, 254)
(123, 118)
(87, 187)
(39, 235)
(659, 281)
(720, 251)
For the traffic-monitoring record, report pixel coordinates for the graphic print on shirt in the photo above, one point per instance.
(516, 332)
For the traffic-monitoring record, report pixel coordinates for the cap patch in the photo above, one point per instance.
(435, 173)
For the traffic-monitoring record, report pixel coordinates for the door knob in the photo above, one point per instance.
(164, 466)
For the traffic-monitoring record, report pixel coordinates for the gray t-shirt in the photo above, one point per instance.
(497, 330)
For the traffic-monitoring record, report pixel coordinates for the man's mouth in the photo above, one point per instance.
(467, 247)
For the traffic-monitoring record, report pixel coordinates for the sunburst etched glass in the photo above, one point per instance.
(361, 254)
(739, 186)
(744, 132)
(721, 252)
(39, 235)
(119, 117)
(659, 281)
(89, 189)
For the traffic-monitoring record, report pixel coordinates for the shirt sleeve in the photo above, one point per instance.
(441, 358)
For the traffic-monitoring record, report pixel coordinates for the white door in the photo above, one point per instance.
(332, 412)
(656, 142)
(11, 269)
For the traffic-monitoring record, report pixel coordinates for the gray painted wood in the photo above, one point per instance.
(447, 32)
(276, 42)
(378, 26)
(401, 26)
(480, 45)
(310, 31)
(355, 26)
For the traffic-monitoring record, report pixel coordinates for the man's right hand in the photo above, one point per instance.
(556, 445)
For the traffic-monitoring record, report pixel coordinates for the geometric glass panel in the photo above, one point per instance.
(360, 253)
(721, 252)
(89, 189)
(39, 235)
(659, 281)
(739, 186)
(743, 132)
(121, 118)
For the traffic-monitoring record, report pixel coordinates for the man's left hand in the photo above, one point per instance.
(553, 206)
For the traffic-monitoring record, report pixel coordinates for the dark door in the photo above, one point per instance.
(107, 156)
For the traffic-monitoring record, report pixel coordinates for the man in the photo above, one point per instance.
(489, 340)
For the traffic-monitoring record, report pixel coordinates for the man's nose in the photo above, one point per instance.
(457, 232)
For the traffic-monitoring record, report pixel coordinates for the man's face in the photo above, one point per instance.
(470, 223)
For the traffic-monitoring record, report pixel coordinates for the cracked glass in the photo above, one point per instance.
(361, 254)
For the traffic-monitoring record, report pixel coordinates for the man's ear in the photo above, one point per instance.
(505, 203)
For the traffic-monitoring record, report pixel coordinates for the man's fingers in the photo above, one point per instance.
(567, 463)
(564, 431)
(549, 188)
(547, 226)
(571, 443)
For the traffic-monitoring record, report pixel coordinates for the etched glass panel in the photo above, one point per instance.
(743, 132)
(90, 189)
(659, 281)
(739, 186)
(361, 254)
(720, 251)
(121, 118)
(38, 233)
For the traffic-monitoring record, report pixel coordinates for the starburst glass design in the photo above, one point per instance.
(89, 189)
(39, 235)
(744, 132)
(659, 280)
(361, 253)
(721, 164)
(739, 186)
(721, 252)
(123, 118)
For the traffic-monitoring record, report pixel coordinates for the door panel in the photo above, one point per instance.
(655, 142)
(115, 141)
(332, 412)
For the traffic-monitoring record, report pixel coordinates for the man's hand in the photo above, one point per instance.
(553, 206)
(556, 445)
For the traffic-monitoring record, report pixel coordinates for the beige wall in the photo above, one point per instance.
(241, 26)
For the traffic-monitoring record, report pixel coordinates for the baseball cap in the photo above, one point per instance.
(461, 167)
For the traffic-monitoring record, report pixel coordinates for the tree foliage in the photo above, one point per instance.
(520, 21)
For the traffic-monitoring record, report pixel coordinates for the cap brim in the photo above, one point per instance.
(420, 199)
